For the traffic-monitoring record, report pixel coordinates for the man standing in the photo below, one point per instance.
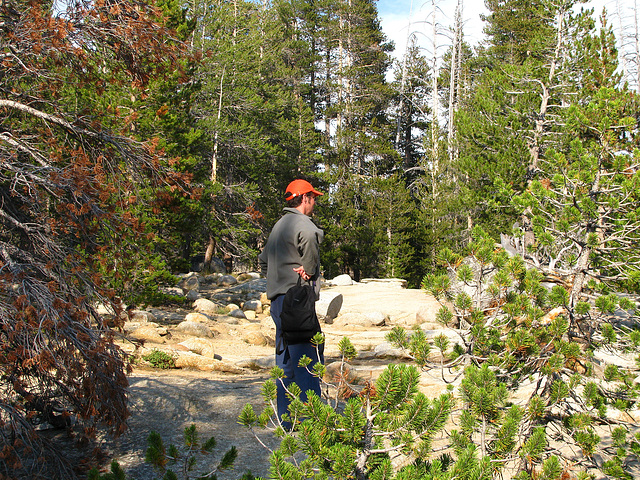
(292, 251)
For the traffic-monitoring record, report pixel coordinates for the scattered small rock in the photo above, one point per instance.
(177, 291)
(227, 280)
(254, 305)
(341, 280)
(256, 338)
(200, 346)
(150, 333)
(329, 305)
(195, 329)
(193, 295)
(358, 319)
(229, 320)
(243, 277)
(237, 313)
(190, 282)
(197, 317)
(195, 361)
(141, 316)
(377, 319)
(202, 305)
(252, 286)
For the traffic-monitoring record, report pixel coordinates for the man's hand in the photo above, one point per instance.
(300, 271)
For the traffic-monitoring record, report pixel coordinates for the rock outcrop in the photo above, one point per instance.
(228, 322)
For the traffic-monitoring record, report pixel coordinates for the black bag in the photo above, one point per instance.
(299, 321)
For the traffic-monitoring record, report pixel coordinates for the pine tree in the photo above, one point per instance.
(518, 30)
(372, 237)
(519, 331)
(162, 112)
(165, 112)
(356, 95)
(412, 118)
(254, 108)
(377, 431)
(583, 203)
(69, 175)
(357, 131)
(514, 113)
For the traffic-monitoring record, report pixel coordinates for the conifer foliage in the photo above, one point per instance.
(512, 331)
(68, 178)
(368, 432)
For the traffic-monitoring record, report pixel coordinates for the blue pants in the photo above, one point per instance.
(288, 361)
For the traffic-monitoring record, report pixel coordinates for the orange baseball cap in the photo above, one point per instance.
(299, 187)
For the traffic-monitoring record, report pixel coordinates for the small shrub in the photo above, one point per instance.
(186, 459)
(116, 473)
(189, 457)
(358, 430)
(160, 359)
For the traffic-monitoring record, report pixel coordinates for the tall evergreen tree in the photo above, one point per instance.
(358, 134)
(354, 61)
(370, 230)
(165, 112)
(583, 203)
(518, 30)
(412, 87)
(513, 115)
(254, 106)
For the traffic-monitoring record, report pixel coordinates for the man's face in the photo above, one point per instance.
(308, 202)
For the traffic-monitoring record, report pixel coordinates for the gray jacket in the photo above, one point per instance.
(293, 241)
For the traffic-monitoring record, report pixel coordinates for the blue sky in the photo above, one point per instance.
(397, 16)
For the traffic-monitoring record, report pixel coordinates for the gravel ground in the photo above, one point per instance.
(167, 403)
